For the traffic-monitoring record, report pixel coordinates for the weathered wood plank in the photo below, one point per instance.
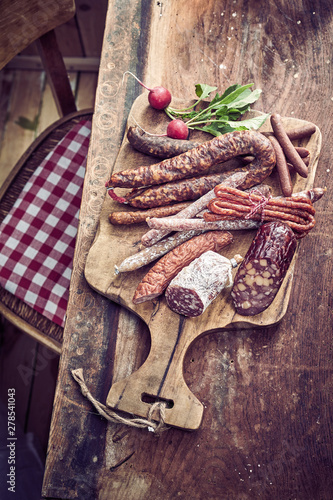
(266, 392)
(17, 359)
(86, 90)
(21, 120)
(44, 378)
(68, 38)
(90, 17)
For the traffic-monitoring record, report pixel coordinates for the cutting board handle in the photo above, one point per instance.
(160, 378)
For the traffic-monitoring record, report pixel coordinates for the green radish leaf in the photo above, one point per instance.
(230, 89)
(217, 129)
(233, 95)
(203, 90)
(250, 124)
(250, 99)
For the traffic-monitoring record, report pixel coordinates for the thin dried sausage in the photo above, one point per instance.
(120, 218)
(313, 194)
(175, 224)
(149, 254)
(301, 132)
(158, 146)
(282, 168)
(295, 211)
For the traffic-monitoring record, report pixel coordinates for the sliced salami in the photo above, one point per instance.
(198, 284)
(263, 269)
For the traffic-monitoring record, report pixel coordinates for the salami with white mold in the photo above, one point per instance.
(263, 269)
(198, 284)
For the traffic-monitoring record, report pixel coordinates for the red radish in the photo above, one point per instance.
(177, 129)
(158, 97)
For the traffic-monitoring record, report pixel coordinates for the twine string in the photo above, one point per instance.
(260, 205)
(155, 421)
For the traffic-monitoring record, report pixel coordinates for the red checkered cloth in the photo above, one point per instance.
(37, 237)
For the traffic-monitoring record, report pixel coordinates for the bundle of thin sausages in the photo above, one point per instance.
(285, 150)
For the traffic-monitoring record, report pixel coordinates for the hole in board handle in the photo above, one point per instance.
(150, 399)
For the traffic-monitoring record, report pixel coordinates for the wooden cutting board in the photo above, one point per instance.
(161, 375)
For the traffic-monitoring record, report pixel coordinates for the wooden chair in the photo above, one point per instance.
(21, 24)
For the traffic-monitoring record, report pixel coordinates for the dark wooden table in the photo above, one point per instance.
(267, 392)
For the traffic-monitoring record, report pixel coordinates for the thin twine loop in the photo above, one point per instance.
(260, 205)
(151, 424)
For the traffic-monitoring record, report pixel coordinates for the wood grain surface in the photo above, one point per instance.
(266, 392)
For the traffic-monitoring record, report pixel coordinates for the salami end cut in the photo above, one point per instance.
(199, 283)
(263, 269)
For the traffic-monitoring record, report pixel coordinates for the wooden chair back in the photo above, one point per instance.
(23, 22)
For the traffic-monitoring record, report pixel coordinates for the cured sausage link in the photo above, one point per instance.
(187, 189)
(165, 147)
(282, 168)
(263, 269)
(149, 254)
(200, 159)
(301, 132)
(172, 224)
(199, 283)
(120, 218)
(159, 276)
(313, 194)
(159, 147)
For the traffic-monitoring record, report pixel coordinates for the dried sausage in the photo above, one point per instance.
(158, 146)
(188, 189)
(301, 132)
(295, 211)
(149, 254)
(287, 146)
(282, 168)
(313, 194)
(159, 276)
(120, 218)
(263, 269)
(200, 159)
(198, 284)
(176, 224)
(303, 152)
